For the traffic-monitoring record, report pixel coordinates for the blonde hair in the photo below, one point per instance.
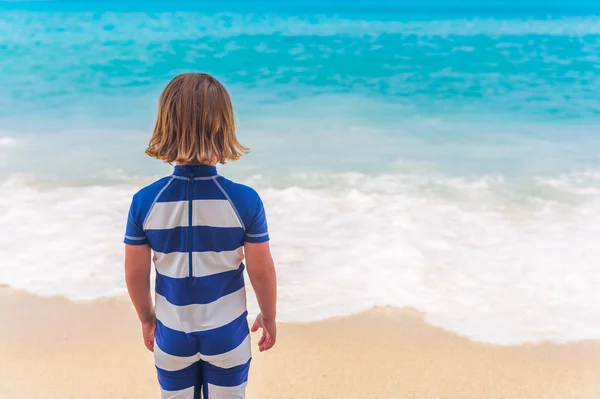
(195, 123)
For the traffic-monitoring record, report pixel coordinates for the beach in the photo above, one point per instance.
(430, 174)
(55, 348)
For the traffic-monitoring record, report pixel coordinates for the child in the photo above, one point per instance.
(200, 227)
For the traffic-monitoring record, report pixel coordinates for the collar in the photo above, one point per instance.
(195, 171)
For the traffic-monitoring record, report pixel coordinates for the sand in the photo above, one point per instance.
(54, 348)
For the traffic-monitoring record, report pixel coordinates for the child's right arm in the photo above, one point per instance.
(261, 271)
(137, 276)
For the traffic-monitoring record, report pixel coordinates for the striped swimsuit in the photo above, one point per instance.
(196, 223)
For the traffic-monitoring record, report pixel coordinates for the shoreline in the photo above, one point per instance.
(55, 348)
(388, 310)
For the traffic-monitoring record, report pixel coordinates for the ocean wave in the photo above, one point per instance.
(487, 257)
(84, 28)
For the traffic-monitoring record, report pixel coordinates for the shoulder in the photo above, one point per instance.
(242, 192)
(245, 199)
(147, 195)
(154, 188)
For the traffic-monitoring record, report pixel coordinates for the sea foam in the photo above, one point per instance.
(485, 258)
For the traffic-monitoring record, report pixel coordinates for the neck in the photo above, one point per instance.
(195, 170)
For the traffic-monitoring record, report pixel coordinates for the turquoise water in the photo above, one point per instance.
(438, 155)
(462, 88)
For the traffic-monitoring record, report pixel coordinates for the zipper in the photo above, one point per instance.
(190, 224)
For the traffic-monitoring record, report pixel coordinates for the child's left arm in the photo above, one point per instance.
(137, 276)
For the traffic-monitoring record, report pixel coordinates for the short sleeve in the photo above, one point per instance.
(257, 231)
(134, 233)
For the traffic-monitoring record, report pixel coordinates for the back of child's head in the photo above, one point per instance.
(195, 123)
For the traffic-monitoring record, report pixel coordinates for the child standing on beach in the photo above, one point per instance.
(200, 227)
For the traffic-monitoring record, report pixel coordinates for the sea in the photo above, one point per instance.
(436, 155)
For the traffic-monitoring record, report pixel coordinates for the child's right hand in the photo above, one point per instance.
(148, 328)
(269, 336)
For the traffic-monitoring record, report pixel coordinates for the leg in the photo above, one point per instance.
(226, 355)
(228, 383)
(177, 363)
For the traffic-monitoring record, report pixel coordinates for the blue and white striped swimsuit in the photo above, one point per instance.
(196, 222)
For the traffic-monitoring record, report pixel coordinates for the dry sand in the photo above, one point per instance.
(53, 348)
